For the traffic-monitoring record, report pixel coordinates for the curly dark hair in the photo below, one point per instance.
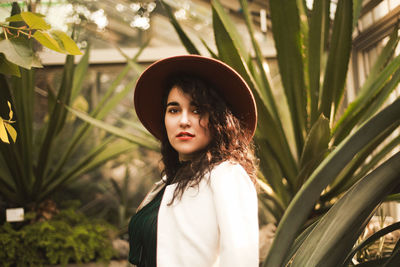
(229, 138)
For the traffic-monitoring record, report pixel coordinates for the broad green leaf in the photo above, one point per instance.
(265, 89)
(286, 31)
(227, 49)
(105, 105)
(304, 33)
(358, 168)
(188, 44)
(363, 103)
(48, 41)
(267, 130)
(393, 197)
(382, 96)
(357, 6)
(270, 194)
(17, 51)
(299, 241)
(148, 143)
(374, 161)
(95, 158)
(212, 53)
(305, 199)
(317, 140)
(56, 122)
(268, 210)
(315, 148)
(335, 234)
(113, 150)
(3, 132)
(68, 44)
(316, 45)
(80, 74)
(382, 61)
(21, 160)
(8, 193)
(371, 85)
(338, 59)
(223, 18)
(270, 168)
(5, 175)
(52, 183)
(138, 128)
(8, 68)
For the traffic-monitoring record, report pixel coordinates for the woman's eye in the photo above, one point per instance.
(196, 111)
(172, 110)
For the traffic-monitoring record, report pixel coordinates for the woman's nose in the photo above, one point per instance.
(184, 119)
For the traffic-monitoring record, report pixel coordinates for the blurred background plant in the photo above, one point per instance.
(53, 148)
(67, 236)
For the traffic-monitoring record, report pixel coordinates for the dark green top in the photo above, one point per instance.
(143, 234)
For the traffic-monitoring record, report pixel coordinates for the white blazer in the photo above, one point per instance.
(213, 225)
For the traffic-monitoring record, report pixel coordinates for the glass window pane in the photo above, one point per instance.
(393, 4)
(381, 10)
(366, 21)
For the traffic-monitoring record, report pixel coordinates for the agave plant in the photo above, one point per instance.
(324, 190)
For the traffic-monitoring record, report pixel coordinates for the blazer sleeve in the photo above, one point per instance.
(236, 205)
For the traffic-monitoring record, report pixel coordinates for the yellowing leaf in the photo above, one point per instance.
(35, 21)
(16, 17)
(10, 115)
(69, 45)
(3, 132)
(11, 131)
(46, 40)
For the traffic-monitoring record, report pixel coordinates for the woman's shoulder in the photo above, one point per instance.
(228, 169)
(230, 175)
(227, 165)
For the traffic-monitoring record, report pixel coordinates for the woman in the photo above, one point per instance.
(203, 212)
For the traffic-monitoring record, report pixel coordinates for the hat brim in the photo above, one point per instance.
(229, 84)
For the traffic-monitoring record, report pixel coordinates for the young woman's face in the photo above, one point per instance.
(187, 129)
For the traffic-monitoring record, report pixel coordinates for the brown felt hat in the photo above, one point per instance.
(229, 84)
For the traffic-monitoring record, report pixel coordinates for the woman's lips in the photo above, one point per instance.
(184, 136)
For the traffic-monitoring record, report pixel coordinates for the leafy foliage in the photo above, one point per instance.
(50, 153)
(312, 181)
(67, 237)
(16, 41)
(16, 50)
